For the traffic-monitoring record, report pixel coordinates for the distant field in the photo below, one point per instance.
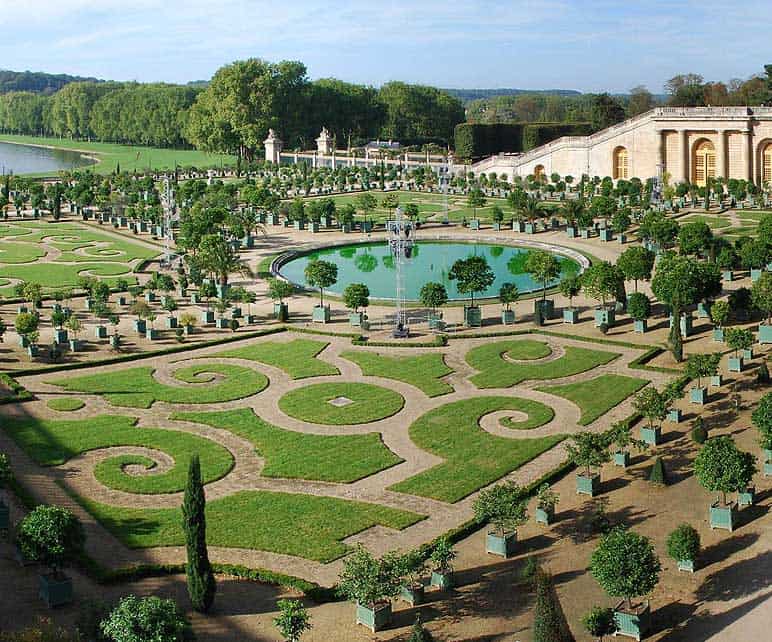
(129, 157)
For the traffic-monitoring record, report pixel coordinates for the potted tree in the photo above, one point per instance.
(589, 450)
(697, 367)
(601, 281)
(151, 334)
(721, 467)
(570, 286)
(504, 507)
(370, 583)
(74, 326)
(683, 545)
(626, 566)
(546, 500)
(321, 274)
(497, 214)
(355, 296)
(639, 309)
(6, 475)
(600, 622)
(412, 568)
(54, 537)
(738, 339)
(142, 311)
(293, 619)
(653, 405)
(207, 291)
(170, 305)
(762, 419)
(278, 290)
(727, 261)
(58, 318)
(146, 618)
(543, 268)
(26, 325)
(622, 438)
(433, 295)
(472, 275)
(508, 294)
(761, 296)
(441, 560)
(719, 314)
(188, 322)
(221, 307)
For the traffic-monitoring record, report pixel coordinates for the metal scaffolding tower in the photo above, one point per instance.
(401, 245)
(170, 212)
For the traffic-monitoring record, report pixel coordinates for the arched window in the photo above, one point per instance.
(538, 173)
(621, 169)
(704, 163)
(766, 164)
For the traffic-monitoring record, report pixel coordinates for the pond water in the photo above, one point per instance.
(372, 264)
(25, 159)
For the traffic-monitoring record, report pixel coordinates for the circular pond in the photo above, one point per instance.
(372, 264)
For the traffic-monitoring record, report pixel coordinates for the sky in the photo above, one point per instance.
(588, 45)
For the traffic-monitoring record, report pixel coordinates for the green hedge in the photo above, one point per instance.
(477, 140)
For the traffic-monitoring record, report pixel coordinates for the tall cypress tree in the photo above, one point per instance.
(201, 584)
(549, 622)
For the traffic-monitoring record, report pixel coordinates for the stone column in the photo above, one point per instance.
(748, 155)
(684, 144)
(661, 151)
(722, 165)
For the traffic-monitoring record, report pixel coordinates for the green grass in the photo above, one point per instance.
(370, 403)
(295, 455)
(473, 457)
(59, 275)
(497, 372)
(66, 404)
(422, 371)
(18, 252)
(713, 222)
(290, 524)
(298, 358)
(129, 157)
(595, 397)
(137, 388)
(53, 442)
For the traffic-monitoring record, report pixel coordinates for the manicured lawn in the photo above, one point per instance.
(295, 455)
(19, 252)
(422, 371)
(713, 222)
(297, 357)
(129, 157)
(61, 275)
(473, 457)
(137, 388)
(53, 442)
(595, 397)
(287, 523)
(497, 372)
(65, 404)
(370, 403)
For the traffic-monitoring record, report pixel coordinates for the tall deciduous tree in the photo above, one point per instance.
(201, 583)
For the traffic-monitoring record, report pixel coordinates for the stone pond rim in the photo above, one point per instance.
(379, 277)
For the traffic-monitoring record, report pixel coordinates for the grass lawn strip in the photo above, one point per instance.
(423, 371)
(18, 252)
(370, 403)
(295, 455)
(137, 388)
(595, 397)
(65, 404)
(53, 442)
(473, 458)
(298, 358)
(291, 524)
(496, 372)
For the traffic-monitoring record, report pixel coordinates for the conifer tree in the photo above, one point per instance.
(658, 474)
(549, 624)
(201, 584)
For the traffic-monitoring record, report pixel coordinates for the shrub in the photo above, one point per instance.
(368, 580)
(418, 633)
(503, 505)
(6, 474)
(147, 618)
(762, 419)
(658, 474)
(600, 622)
(762, 374)
(51, 535)
(530, 568)
(442, 556)
(638, 306)
(293, 619)
(683, 543)
(699, 431)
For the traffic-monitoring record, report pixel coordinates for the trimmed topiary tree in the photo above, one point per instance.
(683, 545)
(504, 507)
(549, 621)
(589, 450)
(321, 274)
(146, 619)
(658, 474)
(201, 583)
(600, 622)
(419, 633)
(472, 275)
(293, 620)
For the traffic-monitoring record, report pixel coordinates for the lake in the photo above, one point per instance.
(24, 159)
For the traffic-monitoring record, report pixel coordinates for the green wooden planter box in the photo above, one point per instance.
(236, 313)
(115, 341)
(5, 517)
(300, 225)
(675, 415)
(746, 496)
(496, 226)
(755, 274)
(698, 395)
(547, 307)
(606, 235)
(605, 316)
(651, 436)
(88, 304)
(222, 324)
(122, 300)
(474, 224)
(355, 319)
(32, 350)
(151, 334)
(686, 565)
(585, 233)
(703, 310)
(503, 545)
(716, 380)
(530, 228)
(587, 485)
(727, 276)
(100, 332)
(248, 241)
(518, 226)
(442, 581)
(60, 336)
(723, 516)
(634, 625)
(472, 316)
(767, 468)
(571, 232)
(140, 326)
(507, 317)
(570, 315)
(321, 314)
(207, 317)
(75, 345)
(150, 297)
(55, 591)
(747, 354)
(252, 319)
(274, 219)
(545, 516)
(622, 458)
(687, 324)
(622, 238)
(436, 323)
(281, 311)
(413, 595)
(171, 323)
(374, 619)
(718, 335)
(735, 364)
(765, 333)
